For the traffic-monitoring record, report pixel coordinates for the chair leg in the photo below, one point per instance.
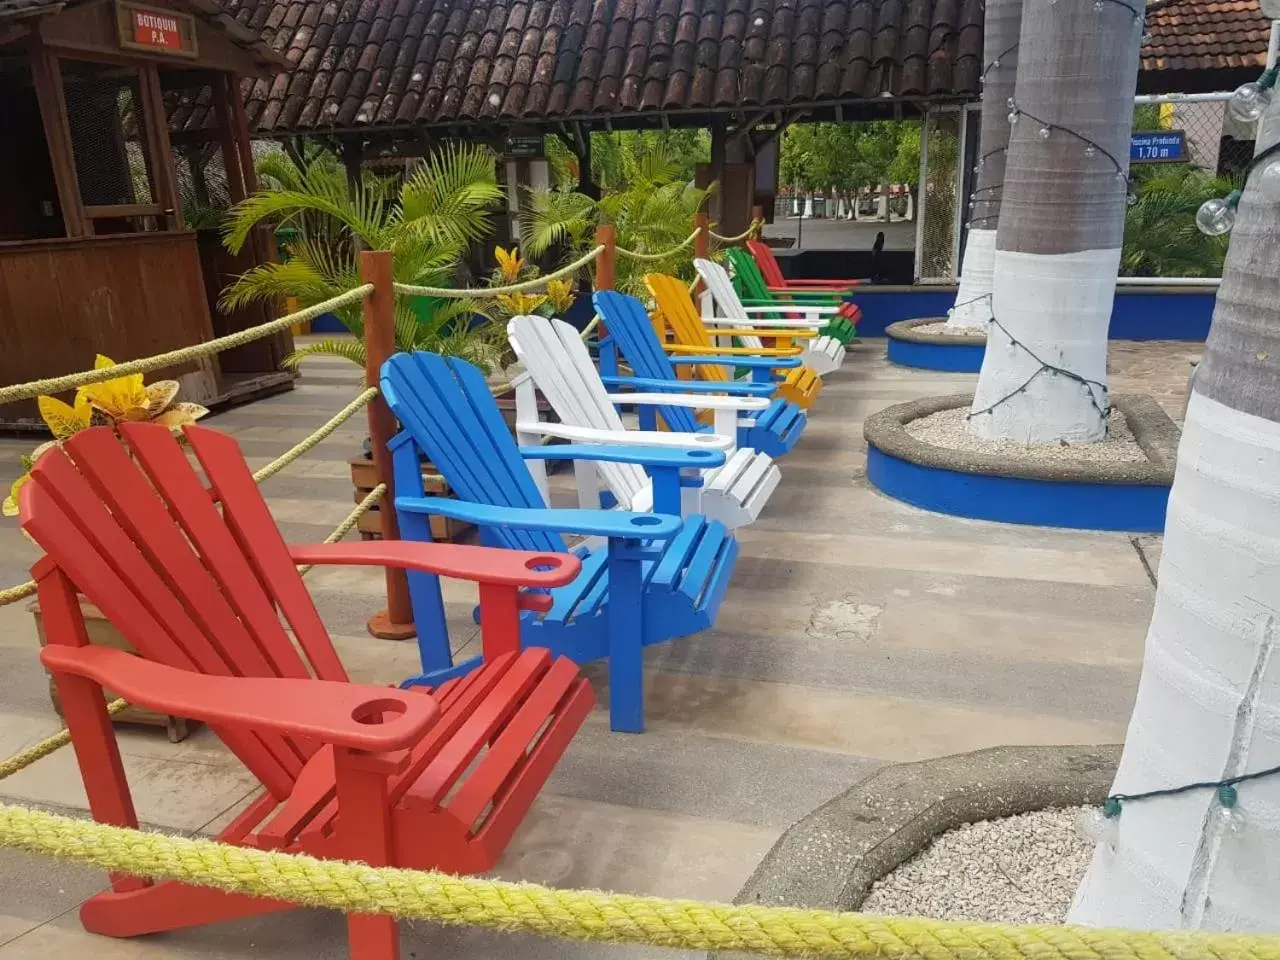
(626, 637)
(364, 826)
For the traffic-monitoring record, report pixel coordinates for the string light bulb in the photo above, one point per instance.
(1216, 216)
(1043, 133)
(1248, 102)
(1013, 116)
(1268, 180)
(1094, 826)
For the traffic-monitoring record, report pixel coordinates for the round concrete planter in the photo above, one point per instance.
(830, 859)
(984, 486)
(933, 351)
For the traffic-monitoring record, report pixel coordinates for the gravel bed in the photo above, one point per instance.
(1022, 869)
(940, 328)
(949, 428)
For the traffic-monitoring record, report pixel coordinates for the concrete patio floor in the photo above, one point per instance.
(857, 631)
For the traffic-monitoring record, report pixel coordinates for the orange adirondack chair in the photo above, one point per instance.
(352, 771)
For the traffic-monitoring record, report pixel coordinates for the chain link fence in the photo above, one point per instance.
(938, 229)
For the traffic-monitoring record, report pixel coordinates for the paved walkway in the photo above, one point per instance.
(857, 631)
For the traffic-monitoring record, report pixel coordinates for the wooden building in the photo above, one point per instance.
(97, 253)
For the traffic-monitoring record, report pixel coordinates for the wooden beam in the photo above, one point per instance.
(164, 176)
(223, 92)
(241, 134)
(47, 76)
(118, 210)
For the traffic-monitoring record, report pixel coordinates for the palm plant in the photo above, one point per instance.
(650, 207)
(1160, 235)
(426, 223)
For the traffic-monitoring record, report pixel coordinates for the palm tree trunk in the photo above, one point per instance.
(1208, 705)
(1061, 223)
(1002, 23)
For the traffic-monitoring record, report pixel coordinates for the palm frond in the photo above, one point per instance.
(352, 350)
(448, 198)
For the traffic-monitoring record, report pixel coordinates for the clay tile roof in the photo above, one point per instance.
(365, 64)
(376, 63)
(1205, 35)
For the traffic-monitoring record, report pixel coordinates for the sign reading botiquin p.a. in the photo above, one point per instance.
(155, 29)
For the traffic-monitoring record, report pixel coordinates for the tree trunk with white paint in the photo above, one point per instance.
(1061, 223)
(1001, 24)
(1208, 705)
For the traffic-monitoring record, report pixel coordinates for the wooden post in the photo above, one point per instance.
(701, 245)
(395, 622)
(608, 236)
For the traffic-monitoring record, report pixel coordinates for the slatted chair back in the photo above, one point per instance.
(447, 407)
(191, 584)
(747, 272)
(725, 298)
(628, 323)
(770, 269)
(554, 354)
(673, 300)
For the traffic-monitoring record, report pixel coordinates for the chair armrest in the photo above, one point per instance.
(630, 438)
(736, 351)
(691, 400)
(318, 709)
(826, 282)
(750, 361)
(760, 322)
(770, 328)
(679, 457)
(810, 291)
(597, 523)
(775, 307)
(460, 561)
(729, 387)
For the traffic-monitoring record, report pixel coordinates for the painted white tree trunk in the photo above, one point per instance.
(808, 207)
(1044, 373)
(973, 297)
(1208, 705)
(1000, 30)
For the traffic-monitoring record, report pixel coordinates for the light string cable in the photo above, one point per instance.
(1097, 399)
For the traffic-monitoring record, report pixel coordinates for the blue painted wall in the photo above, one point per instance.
(1138, 315)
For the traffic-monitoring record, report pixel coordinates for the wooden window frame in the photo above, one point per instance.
(78, 219)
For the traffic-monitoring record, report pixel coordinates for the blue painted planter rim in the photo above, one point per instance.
(1154, 431)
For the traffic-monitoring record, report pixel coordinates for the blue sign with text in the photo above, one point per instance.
(1167, 146)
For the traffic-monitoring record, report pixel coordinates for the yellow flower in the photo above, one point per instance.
(519, 304)
(121, 398)
(509, 263)
(560, 295)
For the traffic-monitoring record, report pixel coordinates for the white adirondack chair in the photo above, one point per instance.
(557, 361)
(722, 307)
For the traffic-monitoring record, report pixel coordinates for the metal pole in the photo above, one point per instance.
(396, 621)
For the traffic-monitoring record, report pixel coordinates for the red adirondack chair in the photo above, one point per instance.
(352, 771)
(772, 271)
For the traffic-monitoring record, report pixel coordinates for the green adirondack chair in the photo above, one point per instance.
(754, 292)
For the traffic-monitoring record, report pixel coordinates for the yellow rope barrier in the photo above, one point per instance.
(729, 241)
(20, 592)
(347, 525)
(338, 419)
(596, 916)
(24, 391)
(654, 257)
(45, 747)
(411, 290)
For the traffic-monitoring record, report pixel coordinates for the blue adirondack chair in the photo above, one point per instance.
(774, 430)
(657, 578)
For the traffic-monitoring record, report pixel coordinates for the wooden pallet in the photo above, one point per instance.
(364, 475)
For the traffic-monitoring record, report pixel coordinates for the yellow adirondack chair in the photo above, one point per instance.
(800, 384)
